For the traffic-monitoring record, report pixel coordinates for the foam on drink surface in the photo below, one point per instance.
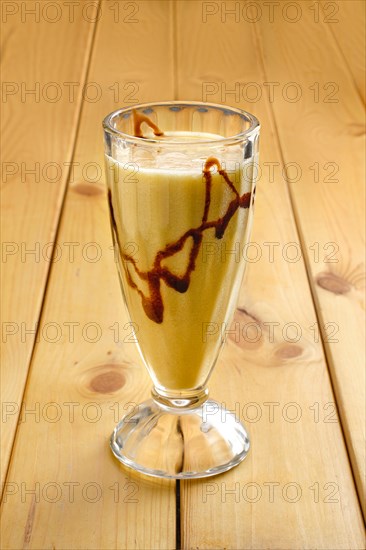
(168, 159)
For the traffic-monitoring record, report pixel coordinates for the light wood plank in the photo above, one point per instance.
(309, 453)
(317, 133)
(142, 515)
(36, 134)
(349, 31)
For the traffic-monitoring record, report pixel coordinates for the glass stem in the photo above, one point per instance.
(177, 400)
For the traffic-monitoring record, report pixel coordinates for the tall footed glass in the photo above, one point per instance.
(181, 190)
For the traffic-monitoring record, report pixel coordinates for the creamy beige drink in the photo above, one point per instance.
(180, 190)
(177, 218)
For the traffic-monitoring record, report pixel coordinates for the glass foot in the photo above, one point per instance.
(164, 441)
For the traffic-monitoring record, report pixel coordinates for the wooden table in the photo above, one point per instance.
(69, 371)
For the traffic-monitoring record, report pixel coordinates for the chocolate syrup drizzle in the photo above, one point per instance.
(138, 119)
(153, 303)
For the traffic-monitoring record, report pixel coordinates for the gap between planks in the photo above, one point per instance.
(343, 55)
(174, 42)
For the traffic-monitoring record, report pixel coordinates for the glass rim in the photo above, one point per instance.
(237, 138)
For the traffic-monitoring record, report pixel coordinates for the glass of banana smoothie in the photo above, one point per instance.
(181, 186)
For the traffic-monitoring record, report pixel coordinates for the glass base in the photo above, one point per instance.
(200, 440)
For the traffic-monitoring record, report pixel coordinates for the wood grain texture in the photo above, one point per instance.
(263, 381)
(349, 31)
(111, 507)
(327, 132)
(37, 138)
(295, 489)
